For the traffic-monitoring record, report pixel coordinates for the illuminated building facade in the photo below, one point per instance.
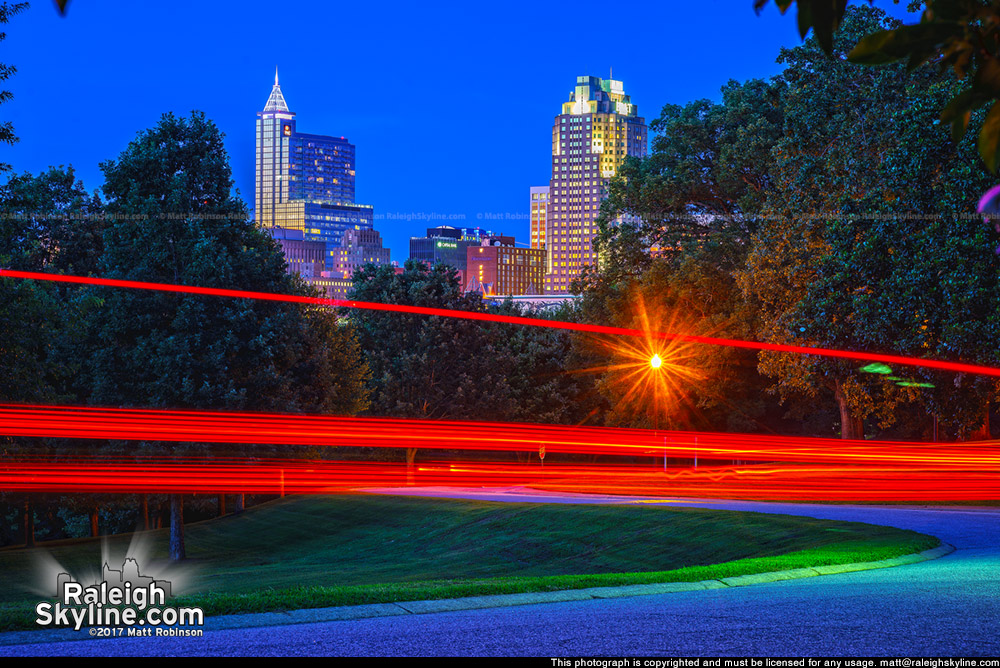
(446, 245)
(319, 221)
(306, 258)
(358, 248)
(334, 287)
(598, 128)
(304, 182)
(537, 214)
(498, 267)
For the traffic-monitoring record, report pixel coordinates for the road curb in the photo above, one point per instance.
(343, 613)
(505, 600)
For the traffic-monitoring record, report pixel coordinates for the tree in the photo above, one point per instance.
(7, 135)
(922, 288)
(961, 35)
(542, 373)
(826, 166)
(52, 223)
(801, 188)
(47, 223)
(696, 386)
(861, 173)
(706, 174)
(176, 220)
(448, 368)
(30, 320)
(433, 368)
(674, 229)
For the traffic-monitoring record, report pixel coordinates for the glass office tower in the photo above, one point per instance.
(275, 127)
(537, 212)
(305, 181)
(445, 244)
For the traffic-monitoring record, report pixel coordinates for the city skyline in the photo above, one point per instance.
(432, 130)
(766, 426)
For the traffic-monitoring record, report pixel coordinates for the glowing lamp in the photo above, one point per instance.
(655, 362)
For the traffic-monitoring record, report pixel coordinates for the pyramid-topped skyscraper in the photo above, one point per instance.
(276, 101)
(304, 183)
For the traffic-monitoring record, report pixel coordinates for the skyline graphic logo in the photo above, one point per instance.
(118, 603)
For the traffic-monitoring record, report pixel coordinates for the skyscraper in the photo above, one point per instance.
(304, 181)
(538, 210)
(597, 129)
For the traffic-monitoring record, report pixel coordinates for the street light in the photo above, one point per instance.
(656, 362)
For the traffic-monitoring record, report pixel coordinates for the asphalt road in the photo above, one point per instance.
(946, 607)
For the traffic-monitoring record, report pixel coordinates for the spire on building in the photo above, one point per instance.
(276, 101)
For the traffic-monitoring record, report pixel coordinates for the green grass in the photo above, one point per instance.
(303, 552)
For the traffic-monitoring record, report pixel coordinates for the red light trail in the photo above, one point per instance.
(129, 424)
(779, 468)
(769, 482)
(941, 365)
(774, 467)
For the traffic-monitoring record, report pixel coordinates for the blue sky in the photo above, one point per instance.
(450, 105)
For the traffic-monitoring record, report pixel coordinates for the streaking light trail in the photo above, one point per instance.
(275, 476)
(127, 424)
(773, 467)
(942, 365)
(770, 467)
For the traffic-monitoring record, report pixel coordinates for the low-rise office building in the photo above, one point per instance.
(498, 267)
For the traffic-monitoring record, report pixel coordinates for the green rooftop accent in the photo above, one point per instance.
(912, 383)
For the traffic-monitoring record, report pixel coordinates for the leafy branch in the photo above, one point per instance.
(961, 35)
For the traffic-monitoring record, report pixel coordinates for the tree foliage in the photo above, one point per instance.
(840, 212)
(51, 223)
(706, 176)
(7, 136)
(823, 17)
(861, 174)
(448, 368)
(697, 387)
(960, 35)
(174, 218)
(47, 223)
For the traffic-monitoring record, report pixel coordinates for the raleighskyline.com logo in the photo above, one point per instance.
(122, 603)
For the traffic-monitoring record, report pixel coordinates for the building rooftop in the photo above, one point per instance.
(276, 101)
(596, 95)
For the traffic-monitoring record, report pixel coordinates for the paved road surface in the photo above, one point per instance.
(950, 606)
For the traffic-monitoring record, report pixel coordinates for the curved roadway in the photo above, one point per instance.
(946, 607)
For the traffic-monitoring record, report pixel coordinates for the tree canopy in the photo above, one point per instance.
(7, 136)
(960, 35)
(448, 368)
(174, 218)
(842, 214)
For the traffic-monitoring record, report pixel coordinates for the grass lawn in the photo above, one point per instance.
(317, 551)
